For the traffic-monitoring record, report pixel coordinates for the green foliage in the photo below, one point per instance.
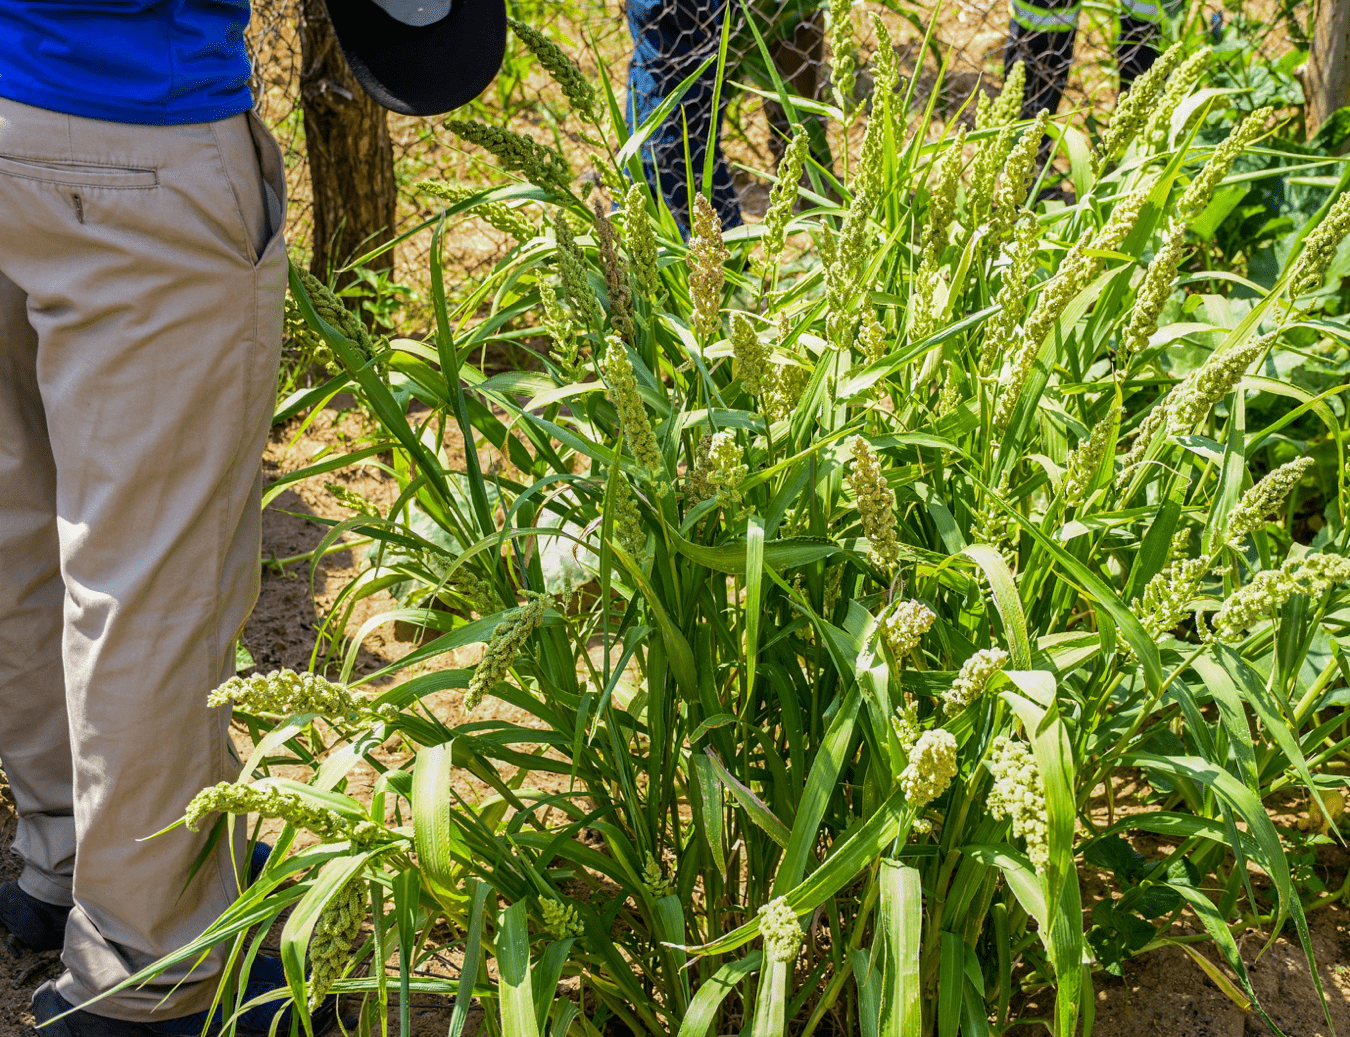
(737, 553)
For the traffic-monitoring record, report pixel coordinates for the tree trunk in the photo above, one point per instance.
(1327, 78)
(351, 158)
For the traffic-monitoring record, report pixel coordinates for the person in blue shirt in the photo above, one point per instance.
(142, 282)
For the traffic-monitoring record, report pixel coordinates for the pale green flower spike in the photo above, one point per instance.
(329, 307)
(1008, 105)
(972, 679)
(616, 274)
(1265, 497)
(351, 501)
(1180, 84)
(1167, 597)
(575, 85)
(758, 374)
(330, 945)
(931, 768)
(942, 198)
(285, 693)
(876, 505)
(726, 472)
(576, 284)
(497, 214)
(1018, 173)
(1000, 333)
(628, 529)
(654, 879)
(1311, 575)
(270, 801)
(640, 241)
(1135, 105)
(1196, 196)
(706, 256)
(904, 626)
(782, 935)
(696, 485)
(566, 351)
(922, 310)
(843, 60)
(1085, 458)
(1319, 246)
(1018, 794)
(560, 919)
(905, 723)
(623, 393)
(1191, 400)
(541, 166)
(989, 160)
(783, 197)
(507, 639)
(1154, 291)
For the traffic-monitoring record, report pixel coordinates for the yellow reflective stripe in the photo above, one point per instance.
(1046, 19)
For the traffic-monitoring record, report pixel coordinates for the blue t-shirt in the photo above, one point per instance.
(153, 62)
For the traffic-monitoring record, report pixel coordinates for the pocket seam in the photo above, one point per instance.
(68, 176)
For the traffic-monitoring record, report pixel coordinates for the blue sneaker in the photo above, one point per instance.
(267, 975)
(40, 926)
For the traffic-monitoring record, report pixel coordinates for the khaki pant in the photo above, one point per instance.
(142, 275)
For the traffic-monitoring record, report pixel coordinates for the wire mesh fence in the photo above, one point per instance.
(965, 53)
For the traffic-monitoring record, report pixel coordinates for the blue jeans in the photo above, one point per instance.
(671, 38)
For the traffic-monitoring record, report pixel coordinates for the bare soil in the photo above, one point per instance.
(1162, 993)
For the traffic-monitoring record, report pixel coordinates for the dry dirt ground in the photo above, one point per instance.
(1163, 993)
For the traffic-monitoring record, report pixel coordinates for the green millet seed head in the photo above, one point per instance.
(497, 214)
(783, 197)
(1136, 104)
(1264, 498)
(905, 724)
(1018, 173)
(654, 879)
(942, 199)
(753, 358)
(628, 531)
(270, 801)
(1008, 105)
(616, 274)
(726, 471)
(782, 934)
(972, 679)
(350, 500)
(503, 647)
(566, 351)
(1191, 400)
(876, 506)
(1180, 84)
(286, 693)
(707, 254)
(1154, 291)
(1167, 597)
(843, 60)
(560, 919)
(989, 160)
(623, 393)
(330, 945)
(329, 307)
(1319, 247)
(1154, 421)
(576, 284)
(903, 627)
(1000, 333)
(640, 243)
(1085, 458)
(1311, 575)
(931, 768)
(541, 166)
(1198, 194)
(575, 85)
(1018, 795)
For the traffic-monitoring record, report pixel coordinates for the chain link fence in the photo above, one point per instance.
(968, 38)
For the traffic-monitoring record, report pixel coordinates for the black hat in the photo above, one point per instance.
(421, 57)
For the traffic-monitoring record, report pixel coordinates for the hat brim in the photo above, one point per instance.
(426, 70)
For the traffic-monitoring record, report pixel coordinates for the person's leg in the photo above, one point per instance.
(34, 734)
(1041, 35)
(671, 38)
(1137, 45)
(158, 330)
